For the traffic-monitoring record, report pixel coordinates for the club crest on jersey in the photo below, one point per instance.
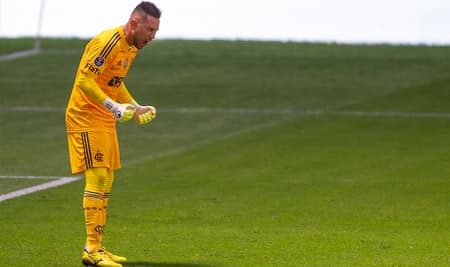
(99, 61)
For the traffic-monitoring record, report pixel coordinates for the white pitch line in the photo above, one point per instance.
(66, 180)
(350, 113)
(29, 177)
(203, 142)
(20, 54)
(36, 188)
(31, 109)
(385, 114)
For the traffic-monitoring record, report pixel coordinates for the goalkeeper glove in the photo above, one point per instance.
(122, 112)
(144, 114)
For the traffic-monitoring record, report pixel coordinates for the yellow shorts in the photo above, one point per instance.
(93, 149)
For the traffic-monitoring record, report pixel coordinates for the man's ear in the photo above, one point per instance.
(133, 24)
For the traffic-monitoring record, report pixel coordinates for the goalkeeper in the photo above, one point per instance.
(98, 100)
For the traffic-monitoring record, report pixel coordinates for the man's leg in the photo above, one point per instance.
(97, 182)
(93, 203)
(108, 187)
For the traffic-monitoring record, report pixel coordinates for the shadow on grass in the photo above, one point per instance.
(163, 264)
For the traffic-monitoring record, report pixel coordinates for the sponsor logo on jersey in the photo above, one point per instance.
(92, 68)
(99, 61)
(115, 81)
(119, 64)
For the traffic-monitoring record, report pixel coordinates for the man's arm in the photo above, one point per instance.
(124, 95)
(143, 114)
(122, 112)
(88, 85)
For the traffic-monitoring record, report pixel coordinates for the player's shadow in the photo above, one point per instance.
(164, 264)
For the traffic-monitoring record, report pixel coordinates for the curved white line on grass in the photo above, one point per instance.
(36, 188)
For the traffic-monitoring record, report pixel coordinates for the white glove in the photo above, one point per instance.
(122, 112)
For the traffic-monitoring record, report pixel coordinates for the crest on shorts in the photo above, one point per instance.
(99, 156)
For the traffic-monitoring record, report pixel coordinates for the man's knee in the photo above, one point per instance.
(96, 179)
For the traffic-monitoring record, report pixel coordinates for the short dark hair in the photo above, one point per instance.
(149, 8)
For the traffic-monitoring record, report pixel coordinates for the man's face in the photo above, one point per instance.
(145, 31)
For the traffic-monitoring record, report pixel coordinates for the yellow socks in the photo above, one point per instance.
(108, 186)
(95, 200)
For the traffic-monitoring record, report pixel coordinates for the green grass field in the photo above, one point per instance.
(262, 154)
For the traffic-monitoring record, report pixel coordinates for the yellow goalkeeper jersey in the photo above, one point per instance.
(107, 58)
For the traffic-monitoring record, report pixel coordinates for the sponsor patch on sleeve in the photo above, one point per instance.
(99, 61)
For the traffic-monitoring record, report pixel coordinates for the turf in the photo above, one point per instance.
(261, 155)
